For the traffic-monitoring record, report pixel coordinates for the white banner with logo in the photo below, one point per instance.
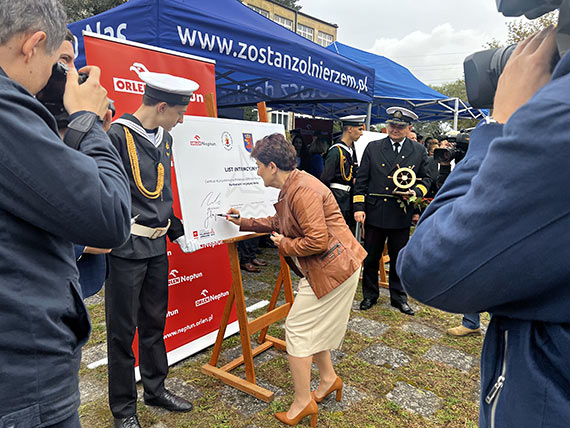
(215, 172)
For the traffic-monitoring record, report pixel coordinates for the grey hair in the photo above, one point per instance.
(29, 16)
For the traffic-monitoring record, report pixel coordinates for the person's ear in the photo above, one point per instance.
(31, 43)
(162, 106)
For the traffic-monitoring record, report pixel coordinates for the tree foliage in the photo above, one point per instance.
(80, 9)
(520, 29)
(290, 3)
(455, 89)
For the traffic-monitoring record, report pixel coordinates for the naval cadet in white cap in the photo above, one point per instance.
(377, 202)
(136, 292)
(341, 165)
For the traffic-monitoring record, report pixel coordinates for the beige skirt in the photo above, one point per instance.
(314, 325)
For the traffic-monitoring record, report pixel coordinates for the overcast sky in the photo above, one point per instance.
(430, 37)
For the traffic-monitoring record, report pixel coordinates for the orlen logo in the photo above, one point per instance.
(208, 299)
(196, 141)
(182, 278)
(137, 87)
(195, 234)
(131, 86)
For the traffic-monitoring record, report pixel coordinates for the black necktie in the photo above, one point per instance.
(396, 148)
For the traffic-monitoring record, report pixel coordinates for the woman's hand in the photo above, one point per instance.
(276, 238)
(234, 220)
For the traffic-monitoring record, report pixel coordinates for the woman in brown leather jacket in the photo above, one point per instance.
(310, 231)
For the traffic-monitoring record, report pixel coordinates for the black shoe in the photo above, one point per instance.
(367, 304)
(130, 422)
(167, 400)
(404, 308)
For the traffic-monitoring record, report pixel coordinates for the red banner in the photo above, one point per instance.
(198, 283)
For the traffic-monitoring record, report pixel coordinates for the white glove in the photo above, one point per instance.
(187, 245)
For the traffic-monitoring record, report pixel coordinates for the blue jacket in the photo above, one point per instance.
(50, 196)
(496, 238)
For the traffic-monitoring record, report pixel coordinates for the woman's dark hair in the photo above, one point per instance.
(319, 145)
(275, 148)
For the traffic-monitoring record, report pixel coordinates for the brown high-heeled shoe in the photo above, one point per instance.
(311, 409)
(336, 386)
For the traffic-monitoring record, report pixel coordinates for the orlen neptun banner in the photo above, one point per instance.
(198, 283)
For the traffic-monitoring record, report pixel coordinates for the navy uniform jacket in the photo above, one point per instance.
(148, 212)
(50, 196)
(500, 227)
(373, 189)
(332, 173)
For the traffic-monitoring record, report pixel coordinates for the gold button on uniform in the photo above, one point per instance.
(387, 188)
(385, 200)
(383, 164)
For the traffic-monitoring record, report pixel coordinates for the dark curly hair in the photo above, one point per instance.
(275, 148)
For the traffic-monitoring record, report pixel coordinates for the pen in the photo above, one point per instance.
(229, 215)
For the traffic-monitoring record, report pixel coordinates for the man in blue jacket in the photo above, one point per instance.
(496, 239)
(52, 193)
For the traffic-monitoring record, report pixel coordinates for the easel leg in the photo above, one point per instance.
(241, 312)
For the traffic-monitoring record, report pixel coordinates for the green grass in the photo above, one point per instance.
(456, 388)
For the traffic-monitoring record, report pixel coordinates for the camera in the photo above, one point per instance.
(460, 144)
(51, 96)
(482, 69)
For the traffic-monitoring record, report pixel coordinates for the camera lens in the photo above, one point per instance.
(482, 70)
(499, 60)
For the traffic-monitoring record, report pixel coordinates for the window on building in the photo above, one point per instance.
(259, 10)
(287, 23)
(280, 117)
(324, 39)
(306, 32)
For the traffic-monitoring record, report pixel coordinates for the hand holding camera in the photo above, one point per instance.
(528, 70)
(89, 96)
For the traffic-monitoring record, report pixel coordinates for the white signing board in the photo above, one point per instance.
(215, 172)
(362, 142)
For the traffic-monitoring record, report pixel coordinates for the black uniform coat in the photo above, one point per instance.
(149, 212)
(332, 173)
(373, 189)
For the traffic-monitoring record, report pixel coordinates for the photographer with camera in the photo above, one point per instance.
(501, 224)
(51, 195)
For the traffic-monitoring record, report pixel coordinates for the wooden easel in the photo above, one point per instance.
(247, 328)
(382, 268)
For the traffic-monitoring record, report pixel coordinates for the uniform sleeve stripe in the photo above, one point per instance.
(358, 198)
(422, 188)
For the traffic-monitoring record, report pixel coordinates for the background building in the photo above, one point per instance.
(311, 28)
(314, 29)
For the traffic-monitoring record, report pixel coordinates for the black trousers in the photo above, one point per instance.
(374, 240)
(246, 250)
(136, 295)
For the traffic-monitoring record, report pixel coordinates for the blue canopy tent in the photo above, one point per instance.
(256, 59)
(396, 85)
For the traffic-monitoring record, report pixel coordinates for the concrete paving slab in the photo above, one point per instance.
(367, 327)
(350, 396)
(451, 357)
(93, 353)
(91, 391)
(246, 404)
(423, 330)
(422, 402)
(382, 355)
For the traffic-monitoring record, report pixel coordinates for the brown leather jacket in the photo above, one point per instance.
(308, 215)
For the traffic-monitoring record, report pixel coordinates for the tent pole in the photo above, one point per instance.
(368, 116)
(455, 114)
